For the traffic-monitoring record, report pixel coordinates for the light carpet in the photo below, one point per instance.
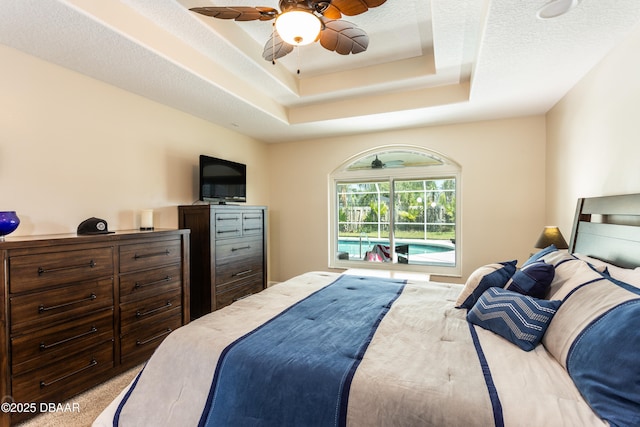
(90, 403)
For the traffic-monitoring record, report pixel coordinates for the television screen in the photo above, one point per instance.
(222, 181)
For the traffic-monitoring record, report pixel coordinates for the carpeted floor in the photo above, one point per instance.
(91, 403)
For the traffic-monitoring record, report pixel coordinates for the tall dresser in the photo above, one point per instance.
(228, 253)
(77, 310)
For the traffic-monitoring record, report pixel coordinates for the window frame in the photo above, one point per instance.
(341, 175)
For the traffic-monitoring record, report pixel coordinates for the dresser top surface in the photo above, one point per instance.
(72, 238)
(227, 206)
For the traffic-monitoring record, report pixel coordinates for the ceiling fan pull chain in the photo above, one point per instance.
(298, 54)
(273, 44)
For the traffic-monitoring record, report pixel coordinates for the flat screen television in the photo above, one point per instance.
(222, 181)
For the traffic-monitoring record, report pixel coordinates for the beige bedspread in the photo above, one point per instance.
(421, 368)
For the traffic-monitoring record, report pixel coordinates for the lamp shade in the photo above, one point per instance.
(551, 235)
(298, 27)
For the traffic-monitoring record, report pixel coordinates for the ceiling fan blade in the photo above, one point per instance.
(238, 13)
(355, 7)
(343, 37)
(275, 48)
(394, 164)
(328, 10)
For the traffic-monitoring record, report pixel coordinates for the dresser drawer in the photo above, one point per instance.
(143, 283)
(142, 256)
(34, 350)
(232, 272)
(143, 313)
(252, 223)
(140, 343)
(244, 281)
(47, 308)
(228, 224)
(238, 293)
(64, 378)
(30, 272)
(233, 249)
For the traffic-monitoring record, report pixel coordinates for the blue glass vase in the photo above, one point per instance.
(9, 221)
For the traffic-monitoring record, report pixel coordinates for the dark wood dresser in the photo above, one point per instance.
(77, 310)
(228, 253)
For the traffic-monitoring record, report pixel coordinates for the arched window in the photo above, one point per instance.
(396, 207)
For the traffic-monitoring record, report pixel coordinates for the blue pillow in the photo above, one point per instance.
(487, 276)
(533, 279)
(519, 318)
(596, 333)
(535, 257)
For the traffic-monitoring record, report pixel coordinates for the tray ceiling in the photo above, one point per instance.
(429, 62)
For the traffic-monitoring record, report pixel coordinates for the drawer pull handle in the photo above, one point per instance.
(151, 255)
(228, 231)
(42, 270)
(160, 335)
(139, 285)
(241, 273)
(42, 307)
(240, 248)
(44, 346)
(91, 364)
(242, 297)
(253, 229)
(228, 219)
(253, 217)
(155, 310)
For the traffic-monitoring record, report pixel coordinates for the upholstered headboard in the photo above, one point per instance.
(608, 228)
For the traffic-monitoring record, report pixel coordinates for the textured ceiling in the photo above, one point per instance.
(429, 61)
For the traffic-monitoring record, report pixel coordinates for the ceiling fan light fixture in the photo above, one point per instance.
(298, 28)
(556, 8)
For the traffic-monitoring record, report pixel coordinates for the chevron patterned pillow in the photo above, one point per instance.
(519, 318)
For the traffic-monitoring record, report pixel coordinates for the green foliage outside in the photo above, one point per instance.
(425, 209)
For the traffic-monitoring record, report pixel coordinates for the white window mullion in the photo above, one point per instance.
(392, 219)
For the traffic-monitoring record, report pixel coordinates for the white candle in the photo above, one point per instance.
(146, 219)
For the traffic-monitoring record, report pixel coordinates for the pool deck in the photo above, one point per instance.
(448, 257)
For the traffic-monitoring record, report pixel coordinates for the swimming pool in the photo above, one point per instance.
(357, 247)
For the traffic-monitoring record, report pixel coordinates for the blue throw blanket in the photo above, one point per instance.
(296, 369)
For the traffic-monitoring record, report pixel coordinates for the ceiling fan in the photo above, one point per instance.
(378, 164)
(302, 22)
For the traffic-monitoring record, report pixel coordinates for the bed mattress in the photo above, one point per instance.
(424, 364)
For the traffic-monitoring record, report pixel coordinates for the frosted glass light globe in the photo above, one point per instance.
(298, 27)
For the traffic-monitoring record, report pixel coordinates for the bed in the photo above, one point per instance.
(552, 340)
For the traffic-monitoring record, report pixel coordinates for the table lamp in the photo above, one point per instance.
(551, 235)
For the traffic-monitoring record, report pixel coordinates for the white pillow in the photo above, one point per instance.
(490, 275)
(555, 258)
(627, 275)
(570, 274)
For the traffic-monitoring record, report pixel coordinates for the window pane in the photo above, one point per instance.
(394, 159)
(424, 221)
(363, 218)
(396, 205)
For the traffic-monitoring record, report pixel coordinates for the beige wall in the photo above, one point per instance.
(72, 147)
(593, 135)
(502, 190)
